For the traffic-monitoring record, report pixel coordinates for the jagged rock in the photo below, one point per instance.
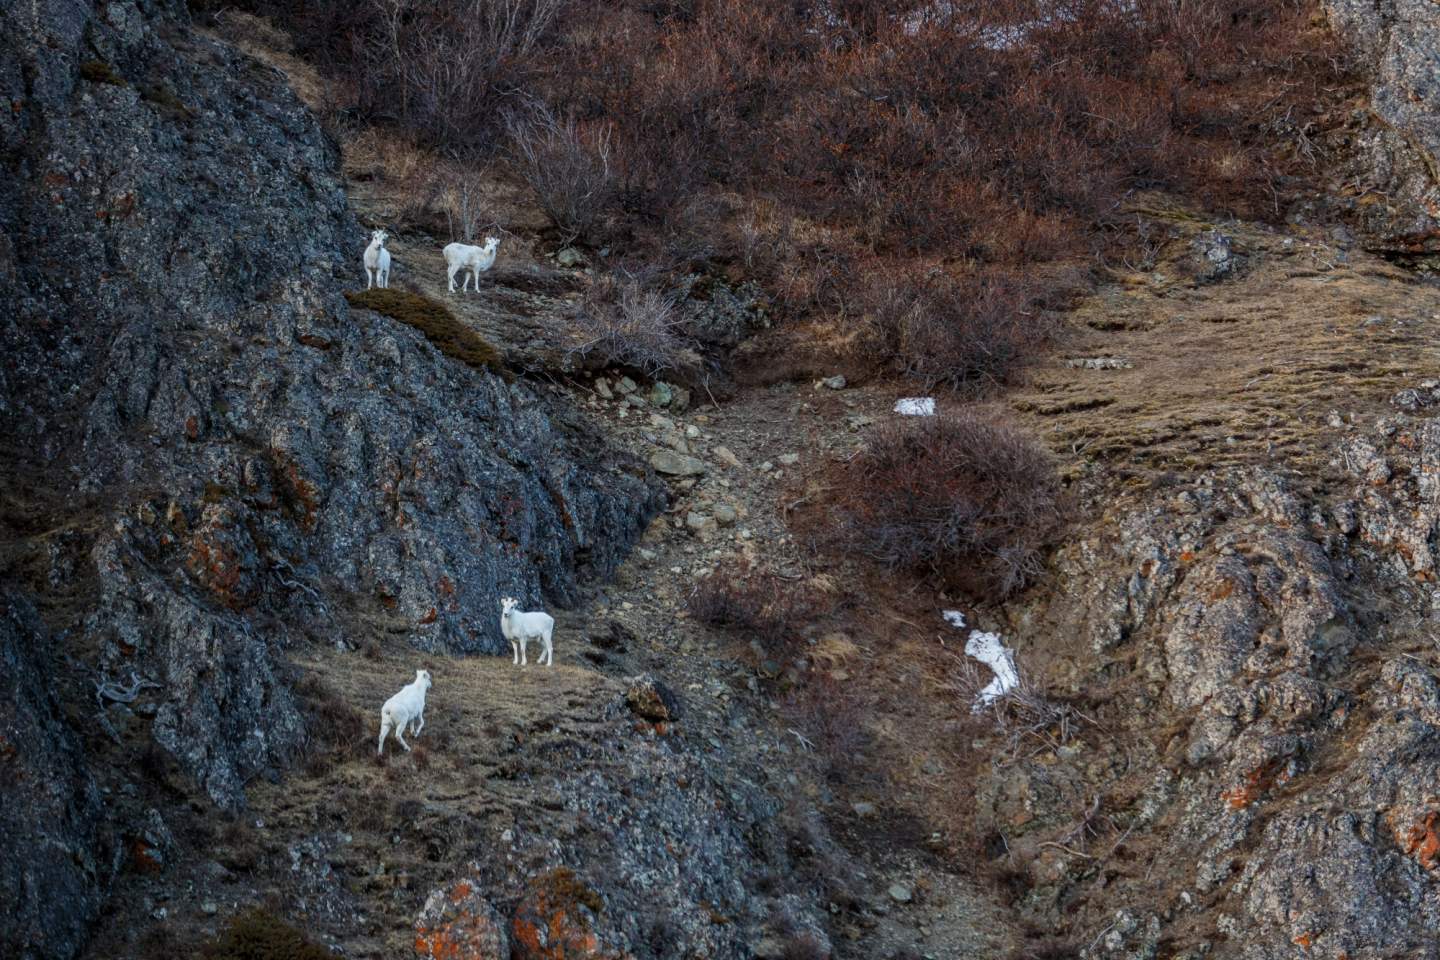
(570, 257)
(557, 918)
(837, 382)
(1398, 147)
(52, 845)
(652, 700)
(457, 923)
(602, 387)
(726, 515)
(1213, 257)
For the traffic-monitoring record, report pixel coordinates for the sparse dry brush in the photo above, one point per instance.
(986, 139)
(963, 498)
(756, 602)
(626, 321)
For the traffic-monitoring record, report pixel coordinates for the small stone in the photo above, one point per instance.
(692, 432)
(660, 394)
(570, 257)
(681, 401)
(676, 464)
(647, 554)
(725, 515)
(789, 459)
(900, 893)
(209, 908)
(766, 467)
(727, 456)
(837, 382)
(701, 525)
(507, 836)
(664, 423)
(863, 809)
(602, 387)
(627, 386)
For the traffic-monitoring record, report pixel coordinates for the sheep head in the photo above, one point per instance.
(422, 677)
(507, 604)
(380, 236)
(491, 243)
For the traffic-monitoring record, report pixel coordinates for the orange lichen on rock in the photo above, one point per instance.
(1305, 941)
(555, 920)
(1422, 841)
(1257, 781)
(457, 923)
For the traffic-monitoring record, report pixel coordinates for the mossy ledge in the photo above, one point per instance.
(450, 336)
(259, 935)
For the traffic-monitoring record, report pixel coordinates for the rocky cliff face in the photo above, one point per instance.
(210, 458)
(1397, 153)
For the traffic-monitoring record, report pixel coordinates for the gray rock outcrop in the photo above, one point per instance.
(1397, 43)
(229, 460)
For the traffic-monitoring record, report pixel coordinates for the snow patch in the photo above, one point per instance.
(987, 648)
(916, 406)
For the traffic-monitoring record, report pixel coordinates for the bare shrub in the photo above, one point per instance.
(964, 498)
(467, 215)
(627, 322)
(753, 601)
(829, 718)
(969, 334)
(569, 168)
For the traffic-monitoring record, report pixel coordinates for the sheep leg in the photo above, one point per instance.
(515, 653)
(400, 738)
(420, 724)
(384, 732)
(369, 278)
(523, 642)
(451, 272)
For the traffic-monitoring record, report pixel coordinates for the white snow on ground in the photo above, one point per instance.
(916, 406)
(987, 648)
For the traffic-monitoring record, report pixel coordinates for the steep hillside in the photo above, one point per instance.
(238, 509)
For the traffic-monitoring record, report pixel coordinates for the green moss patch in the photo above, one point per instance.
(450, 336)
(259, 935)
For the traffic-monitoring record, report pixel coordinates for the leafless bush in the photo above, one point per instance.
(467, 216)
(1025, 715)
(629, 323)
(757, 602)
(964, 497)
(829, 718)
(970, 334)
(569, 168)
(451, 71)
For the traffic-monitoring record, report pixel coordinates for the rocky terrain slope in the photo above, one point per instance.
(237, 513)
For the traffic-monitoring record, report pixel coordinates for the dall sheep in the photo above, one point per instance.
(404, 709)
(520, 627)
(460, 256)
(377, 261)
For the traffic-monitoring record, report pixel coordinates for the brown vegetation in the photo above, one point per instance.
(964, 498)
(828, 147)
(259, 935)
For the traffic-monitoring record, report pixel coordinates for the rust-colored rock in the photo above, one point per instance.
(556, 920)
(457, 923)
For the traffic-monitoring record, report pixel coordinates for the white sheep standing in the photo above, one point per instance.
(404, 709)
(377, 261)
(460, 256)
(520, 627)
